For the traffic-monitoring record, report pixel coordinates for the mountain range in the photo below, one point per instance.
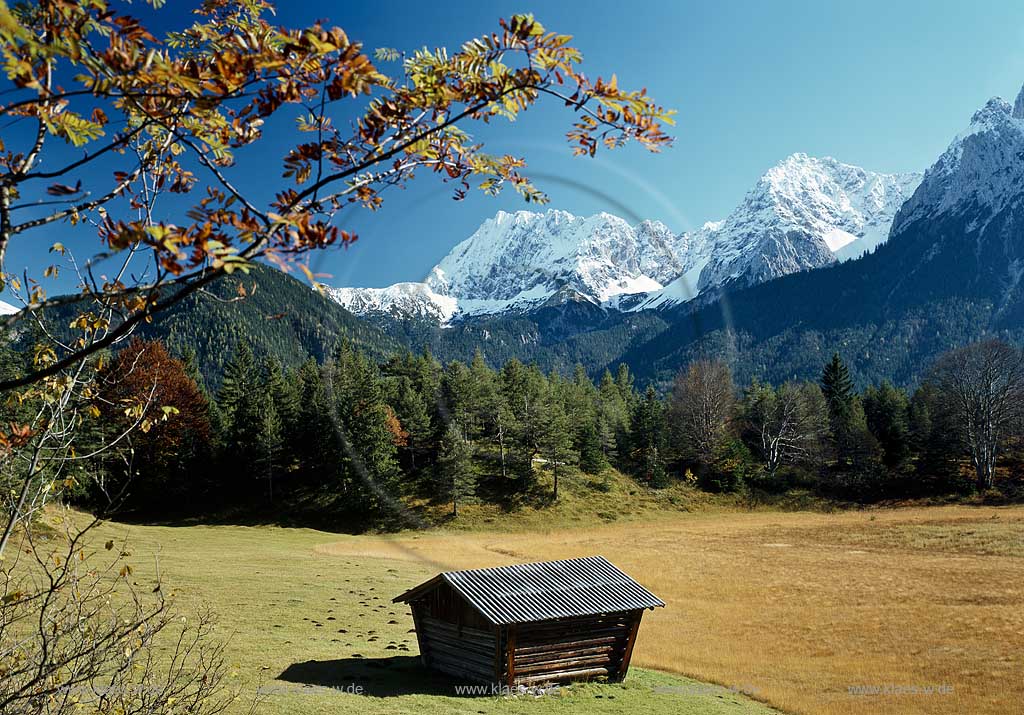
(803, 213)
(820, 256)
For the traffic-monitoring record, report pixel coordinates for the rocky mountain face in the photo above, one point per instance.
(949, 273)
(963, 230)
(401, 300)
(803, 213)
(521, 261)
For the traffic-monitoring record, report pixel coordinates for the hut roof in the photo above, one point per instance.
(543, 591)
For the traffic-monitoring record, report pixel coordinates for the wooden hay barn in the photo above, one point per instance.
(543, 622)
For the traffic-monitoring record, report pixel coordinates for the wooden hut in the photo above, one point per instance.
(543, 622)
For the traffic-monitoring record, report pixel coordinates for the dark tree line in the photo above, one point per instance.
(947, 436)
(361, 439)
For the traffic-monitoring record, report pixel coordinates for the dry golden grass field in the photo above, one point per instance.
(799, 609)
(802, 609)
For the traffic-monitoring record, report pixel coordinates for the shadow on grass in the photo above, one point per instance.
(379, 677)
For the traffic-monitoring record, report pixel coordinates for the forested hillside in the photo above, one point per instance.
(354, 442)
(273, 313)
(282, 317)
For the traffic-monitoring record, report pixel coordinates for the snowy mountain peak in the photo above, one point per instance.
(993, 111)
(399, 300)
(980, 171)
(520, 260)
(803, 213)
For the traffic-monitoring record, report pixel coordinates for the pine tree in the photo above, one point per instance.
(458, 398)
(411, 410)
(241, 402)
(579, 399)
(317, 438)
(239, 382)
(284, 399)
(190, 360)
(837, 387)
(369, 470)
(524, 389)
(486, 398)
(647, 446)
(613, 417)
(591, 450)
(554, 437)
(851, 440)
(624, 381)
(456, 476)
(267, 461)
(887, 412)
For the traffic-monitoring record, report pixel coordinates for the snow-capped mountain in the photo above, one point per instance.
(695, 250)
(979, 171)
(522, 260)
(399, 300)
(964, 225)
(951, 272)
(7, 309)
(803, 213)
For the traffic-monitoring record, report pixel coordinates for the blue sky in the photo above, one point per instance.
(884, 85)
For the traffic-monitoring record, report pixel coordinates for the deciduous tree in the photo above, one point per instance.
(699, 409)
(983, 385)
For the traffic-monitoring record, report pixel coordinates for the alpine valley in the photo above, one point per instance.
(819, 256)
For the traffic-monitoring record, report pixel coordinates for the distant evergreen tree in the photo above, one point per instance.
(554, 438)
(929, 430)
(624, 381)
(281, 425)
(591, 449)
(854, 445)
(456, 473)
(411, 410)
(524, 389)
(239, 382)
(268, 458)
(579, 400)
(369, 469)
(647, 446)
(837, 387)
(613, 417)
(886, 410)
(190, 360)
(242, 403)
(317, 437)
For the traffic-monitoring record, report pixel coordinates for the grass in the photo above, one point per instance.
(585, 500)
(799, 608)
(794, 608)
(308, 621)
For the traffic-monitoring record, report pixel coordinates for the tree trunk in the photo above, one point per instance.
(501, 448)
(984, 468)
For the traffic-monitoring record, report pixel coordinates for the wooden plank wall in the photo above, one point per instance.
(464, 652)
(573, 649)
(548, 651)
